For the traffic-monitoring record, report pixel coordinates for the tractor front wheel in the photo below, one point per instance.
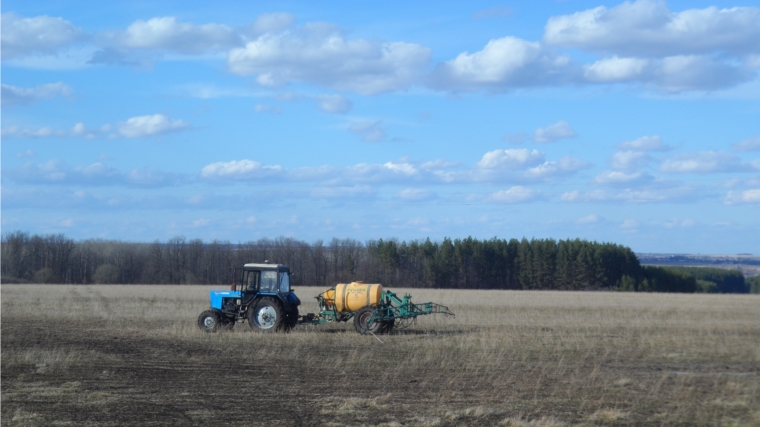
(266, 316)
(208, 321)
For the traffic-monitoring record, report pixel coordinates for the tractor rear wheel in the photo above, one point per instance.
(208, 321)
(266, 316)
(291, 319)
(361, 318)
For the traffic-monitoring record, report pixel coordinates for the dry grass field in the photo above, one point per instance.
(133, 355)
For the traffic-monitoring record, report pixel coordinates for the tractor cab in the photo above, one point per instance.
(266, 280)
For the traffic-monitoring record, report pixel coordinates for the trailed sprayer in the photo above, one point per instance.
(262, 296)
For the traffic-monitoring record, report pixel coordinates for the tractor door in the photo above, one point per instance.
(251, 281)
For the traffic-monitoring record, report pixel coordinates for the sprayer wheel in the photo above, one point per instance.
(362, 317)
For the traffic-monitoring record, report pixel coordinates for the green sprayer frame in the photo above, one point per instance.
(390, 308)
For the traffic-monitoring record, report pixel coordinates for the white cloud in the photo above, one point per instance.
(670, 74)
(615, 69)
(269, 23)
(650, 195)
(334, 103)
(516, 194)
(156, 124)
(39, 35)
(318, 53)
(566, 165)
(554, 132)
(416, 195)
(617, 178)
(743, 197)
(645, 143)
(503, 64)
(96, 174)
(510, 159)
(750, 144)
(369, 131)
(16, 96)
(241, 169)
(630, 160)
(648, 28)
(704, 162)
(168, 34)
(266, 108)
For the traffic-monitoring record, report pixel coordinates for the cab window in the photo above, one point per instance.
(251, 280)
(284, 282)
(268, 281)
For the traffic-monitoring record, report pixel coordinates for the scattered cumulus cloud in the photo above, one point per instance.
(516, 194)
(13, 96)
(503, 64)
(704, 162)
(554, 132)
(645, 143)
(510, 159)
(743, 197)
(618, 178)
(97, 174)
(632, 195)
(168, 34)
(240, 169)
(39, 35)
(750, 144)
(319, 53)
(648, 28)
(334, 103)
(630, 160)
(156, 124)
(369, 131)
(270, 23)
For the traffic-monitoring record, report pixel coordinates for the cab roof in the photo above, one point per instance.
(266, 266)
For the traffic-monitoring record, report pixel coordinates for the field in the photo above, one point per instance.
(133, 355)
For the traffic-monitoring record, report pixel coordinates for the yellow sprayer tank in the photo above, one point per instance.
(353, 296)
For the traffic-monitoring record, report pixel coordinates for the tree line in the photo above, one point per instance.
(457, 264)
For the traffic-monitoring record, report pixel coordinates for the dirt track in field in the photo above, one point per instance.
(130, 369)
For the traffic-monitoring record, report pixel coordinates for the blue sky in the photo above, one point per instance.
(636, 123)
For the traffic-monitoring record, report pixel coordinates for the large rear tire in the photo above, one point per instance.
(208, 321)
(266, 316)
(291, 319)
(361, 318)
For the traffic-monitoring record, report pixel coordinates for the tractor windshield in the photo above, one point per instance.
(284, 282)
(268, 281)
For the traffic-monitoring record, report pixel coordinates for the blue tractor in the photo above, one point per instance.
(263, 297)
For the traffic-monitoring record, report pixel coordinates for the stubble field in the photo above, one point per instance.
(133, 355)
